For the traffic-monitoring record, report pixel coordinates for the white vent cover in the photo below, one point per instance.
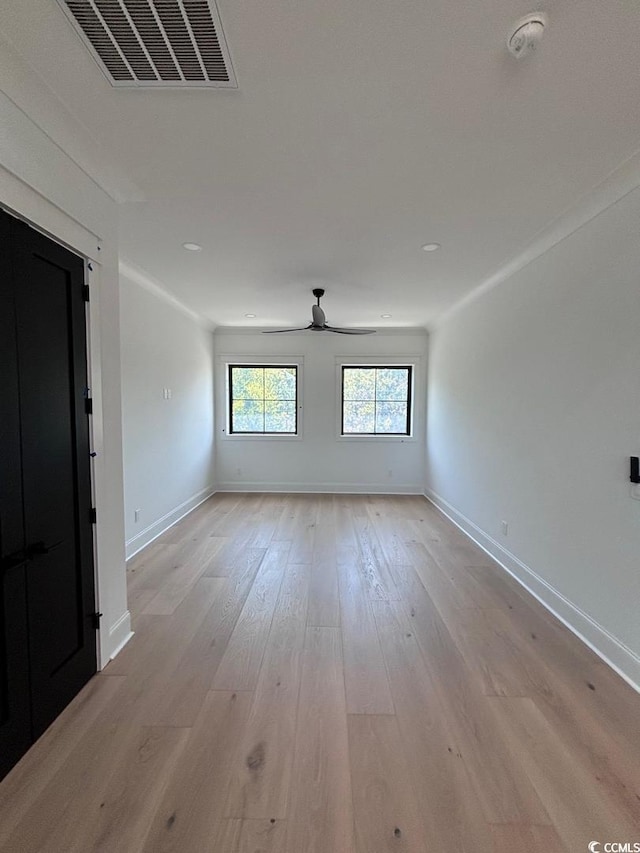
(170, 43)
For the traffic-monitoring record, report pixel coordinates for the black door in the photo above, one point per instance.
(47, 632)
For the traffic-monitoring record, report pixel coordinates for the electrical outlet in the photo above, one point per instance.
(390, 473)
(239, 472)
(505, 528)
(136, 515)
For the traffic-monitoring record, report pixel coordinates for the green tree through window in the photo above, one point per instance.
(263, 399)
(376, 400)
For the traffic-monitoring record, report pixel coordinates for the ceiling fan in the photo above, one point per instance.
(319, 322)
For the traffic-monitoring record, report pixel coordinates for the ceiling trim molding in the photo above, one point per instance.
(138, 276)
(624, 179)
(30, 94)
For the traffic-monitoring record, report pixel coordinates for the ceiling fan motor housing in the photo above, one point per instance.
(319, 322)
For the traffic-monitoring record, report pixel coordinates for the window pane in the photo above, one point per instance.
(280, 383)
(359, 417)
(248, 416)
(391, 417)
(280, 416)
(392, 383)
(247, 383)
(263, 398)
(359, 383)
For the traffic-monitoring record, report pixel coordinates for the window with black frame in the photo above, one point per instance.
(376, 400)
(263, 399)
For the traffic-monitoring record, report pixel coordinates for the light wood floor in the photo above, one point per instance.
(327, 674)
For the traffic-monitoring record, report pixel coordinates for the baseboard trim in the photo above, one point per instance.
(324, 488)
(119, 635)
(609, 648)
(146, 536)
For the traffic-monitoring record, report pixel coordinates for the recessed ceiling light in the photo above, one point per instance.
(192, 247)
(431, 247)
(385, 316)
(250, 316)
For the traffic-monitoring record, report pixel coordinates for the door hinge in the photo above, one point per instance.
(88, 405)
(93, 515)
(85, 292)
(95, 620)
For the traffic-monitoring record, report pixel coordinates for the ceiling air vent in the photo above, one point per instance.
(170, 43)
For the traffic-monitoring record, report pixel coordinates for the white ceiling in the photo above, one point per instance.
(360, 130)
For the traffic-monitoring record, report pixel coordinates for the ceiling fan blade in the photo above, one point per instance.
(280, 331)
(350, 331)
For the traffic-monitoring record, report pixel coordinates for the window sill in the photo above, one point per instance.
(408, 439)
(256, 436)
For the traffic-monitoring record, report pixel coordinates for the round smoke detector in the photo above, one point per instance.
(527, 34)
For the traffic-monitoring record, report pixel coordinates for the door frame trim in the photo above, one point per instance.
(77, 239)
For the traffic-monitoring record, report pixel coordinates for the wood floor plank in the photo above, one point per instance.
(227, 836)
(482, 724)
(230, 518)
(365, 676)
(288, 520)
(177, 585)
(305, 530)
(77, 789)
(240, 663)
(320, 816)
(203, 517)
(373, 565)
(385, 806)
(450, 808)
(120, 821)
(155, 653)
(503, 788)
(262, 768)
(448, 597)
(501, 782)
(509, 838)
(580, 807)
(236, 557)
(137, 600)
(589, 731)
(324, 600)
(390, 531)
(192, 675)
(262, 836)
(148, 570)
(485, 642)
(347, 546)
(32, 776)
(193, 804)
(249, 836)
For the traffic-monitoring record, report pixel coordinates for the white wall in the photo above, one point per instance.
(534, 409)
(320, 460)
(168, 443)
(44, 184)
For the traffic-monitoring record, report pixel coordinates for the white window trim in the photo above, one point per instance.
(224, 415)
(413, 361)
